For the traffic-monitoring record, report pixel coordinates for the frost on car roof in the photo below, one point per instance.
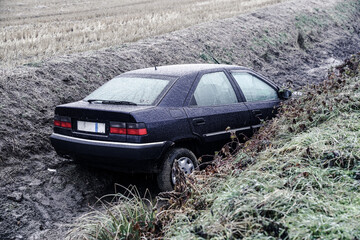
(183, 69)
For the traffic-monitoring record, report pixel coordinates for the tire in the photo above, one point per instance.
(187, 161)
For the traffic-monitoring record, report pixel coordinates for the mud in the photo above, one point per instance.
(292, 43)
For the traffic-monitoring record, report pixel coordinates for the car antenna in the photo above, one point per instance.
(155, 68)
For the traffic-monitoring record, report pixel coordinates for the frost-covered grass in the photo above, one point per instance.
(304, 183)
(131, 219)
(286, 193)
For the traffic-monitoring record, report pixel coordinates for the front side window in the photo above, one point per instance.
(254, 89)
(138, 90)
(214, 89)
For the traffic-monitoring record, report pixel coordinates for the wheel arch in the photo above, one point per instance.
(193, 144)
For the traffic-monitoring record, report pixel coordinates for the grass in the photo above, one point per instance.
(33, 31)
(304, 182)
(129, 220)
(306, 23)
(297, 178)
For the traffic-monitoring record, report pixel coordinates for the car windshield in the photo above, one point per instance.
(129, 90)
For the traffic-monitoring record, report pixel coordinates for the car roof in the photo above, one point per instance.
(182, 69)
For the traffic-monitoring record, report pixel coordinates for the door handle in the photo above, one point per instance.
(257, 113)
(198, 121)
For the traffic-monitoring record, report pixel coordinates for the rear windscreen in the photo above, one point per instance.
(138, 90)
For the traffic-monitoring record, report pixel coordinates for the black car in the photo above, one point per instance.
(144, 120)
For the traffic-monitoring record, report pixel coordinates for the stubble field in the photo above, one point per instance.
(33, 30)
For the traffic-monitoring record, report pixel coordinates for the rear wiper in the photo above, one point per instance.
(94, 100)
(112, 102)
(118, 102)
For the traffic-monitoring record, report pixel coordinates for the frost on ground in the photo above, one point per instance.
(297, 178)
(284, 42)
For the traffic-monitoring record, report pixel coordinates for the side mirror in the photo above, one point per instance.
(285, 94)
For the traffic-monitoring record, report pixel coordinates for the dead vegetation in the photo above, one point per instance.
(297, 178)
(33, 30)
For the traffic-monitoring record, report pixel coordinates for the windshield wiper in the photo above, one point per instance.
(112, 102)
(118, 102)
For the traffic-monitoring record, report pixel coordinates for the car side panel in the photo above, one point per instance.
(210, 123)
(261, 111)
(165, 124)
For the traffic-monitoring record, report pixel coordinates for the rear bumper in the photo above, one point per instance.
(126, 157)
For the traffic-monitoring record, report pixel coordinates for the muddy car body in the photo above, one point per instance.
(162, 115)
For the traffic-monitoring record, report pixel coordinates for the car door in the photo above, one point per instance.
(261, 96)
(214, 106)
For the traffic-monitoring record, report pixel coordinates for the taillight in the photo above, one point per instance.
(64, 122)
(57, 123)
(117, 128)
(140, 132)
(138, 129)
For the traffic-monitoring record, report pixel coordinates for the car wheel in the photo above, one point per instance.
(187, 162)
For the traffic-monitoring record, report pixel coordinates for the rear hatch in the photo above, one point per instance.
(97, 121)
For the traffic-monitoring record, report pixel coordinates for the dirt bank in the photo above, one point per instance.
(294, 42)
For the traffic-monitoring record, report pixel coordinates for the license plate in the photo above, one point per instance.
(93, 127)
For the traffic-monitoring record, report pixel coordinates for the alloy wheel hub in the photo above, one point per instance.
(185, 164)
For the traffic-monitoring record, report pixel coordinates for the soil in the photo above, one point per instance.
(292, 43)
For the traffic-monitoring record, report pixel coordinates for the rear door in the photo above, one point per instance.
(261, 96)
(214, 106)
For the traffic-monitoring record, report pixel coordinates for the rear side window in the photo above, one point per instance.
(139, 90)
(254, 89)
(214, 89)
